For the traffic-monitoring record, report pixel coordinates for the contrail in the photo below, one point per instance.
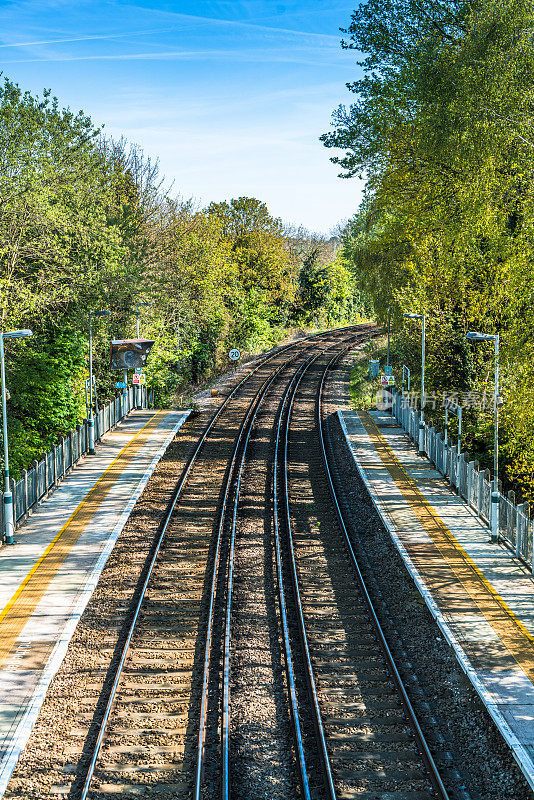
(89, 38)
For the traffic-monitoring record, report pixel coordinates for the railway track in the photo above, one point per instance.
(369, 741)
(176, 705)
(150, 734)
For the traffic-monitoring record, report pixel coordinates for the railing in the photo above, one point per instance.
(516, 529)
(45, 474)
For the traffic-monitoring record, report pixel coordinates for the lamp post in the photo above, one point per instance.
(423, 343)
(139, 389)
(9, 518)
(91, 420)
(389, 325)
(137, 307)
(475, 336)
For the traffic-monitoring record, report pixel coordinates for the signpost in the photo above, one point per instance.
(234, 355)
(130, 354)
(387, 380)
(138, 379)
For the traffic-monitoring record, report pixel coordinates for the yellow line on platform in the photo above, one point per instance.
(23, 603)
(511, 631)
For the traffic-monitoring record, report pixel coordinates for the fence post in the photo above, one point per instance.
(487, 477)
(470, 481)
(54, 461)
(35, 483)
(510, 519)
(45, 459)
(24, 476)
(13, 495)
(522, 514)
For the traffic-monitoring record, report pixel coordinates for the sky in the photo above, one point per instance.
(231, 97)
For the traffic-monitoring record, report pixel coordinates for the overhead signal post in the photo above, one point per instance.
(421, 420)
(476, 336)
(9, 517)
(91, 419)
(130, 354)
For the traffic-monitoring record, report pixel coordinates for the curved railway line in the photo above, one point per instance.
(253, 587)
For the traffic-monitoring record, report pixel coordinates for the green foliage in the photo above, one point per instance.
(442, 130)
(86, 225)
(46, 383)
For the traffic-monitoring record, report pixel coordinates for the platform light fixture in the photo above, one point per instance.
(476, 336)
(91, 418)
(9, 517)
(423, 344)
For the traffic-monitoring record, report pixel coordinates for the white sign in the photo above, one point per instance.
(235, 354)
(138, 380)
(387, 380)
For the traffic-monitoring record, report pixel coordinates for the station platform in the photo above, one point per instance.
(48, 575)
(480, 594)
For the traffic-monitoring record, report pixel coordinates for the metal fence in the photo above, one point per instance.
(516, 529)
(45, 474)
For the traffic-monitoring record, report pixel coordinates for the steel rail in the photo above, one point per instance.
(245, 430)
(235, 475)
(290, 671)
(155, 552)
(243, 436)
(310, 677)
(425, 751)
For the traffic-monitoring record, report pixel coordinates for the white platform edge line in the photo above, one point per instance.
(25, 726)
(520, 754)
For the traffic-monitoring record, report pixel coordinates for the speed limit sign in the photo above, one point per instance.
(234, 354)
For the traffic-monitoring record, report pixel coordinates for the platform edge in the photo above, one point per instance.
(29, 717)
(519, 752)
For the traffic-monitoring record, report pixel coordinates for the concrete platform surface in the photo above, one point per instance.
(481, 596)
(48, 576)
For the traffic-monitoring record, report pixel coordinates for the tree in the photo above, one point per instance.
(259, 248)
(441, 128)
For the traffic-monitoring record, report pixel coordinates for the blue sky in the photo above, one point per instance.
(230, 96)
